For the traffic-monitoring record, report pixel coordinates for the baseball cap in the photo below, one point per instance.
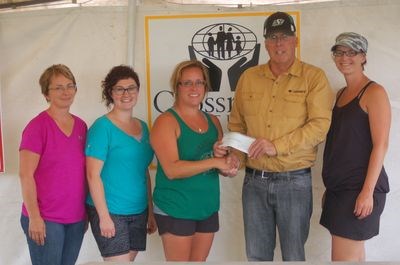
(279, 21)
(352, 40)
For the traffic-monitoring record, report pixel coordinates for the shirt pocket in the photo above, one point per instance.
(295, 103)
(252, 103)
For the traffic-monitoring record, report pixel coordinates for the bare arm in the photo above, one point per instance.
(151, 222)
(218, 150)
(379, 114)
(163, 138)
(27, 167)
(96, 189)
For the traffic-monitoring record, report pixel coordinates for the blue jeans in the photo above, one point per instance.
(62, 243)
(277, 200)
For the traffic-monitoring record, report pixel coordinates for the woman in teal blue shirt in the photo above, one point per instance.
(118, 154)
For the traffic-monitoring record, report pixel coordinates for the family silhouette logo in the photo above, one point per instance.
(224, 41)
(216, 44)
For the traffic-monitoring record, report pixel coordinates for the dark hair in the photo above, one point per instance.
(116, 74)
(364, 63)
(52, 71)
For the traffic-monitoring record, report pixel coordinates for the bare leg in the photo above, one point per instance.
(187, 248)
(201, 245)
(124, 257)
(344, 249)
(176, 248)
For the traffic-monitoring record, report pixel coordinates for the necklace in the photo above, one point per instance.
(190, 122)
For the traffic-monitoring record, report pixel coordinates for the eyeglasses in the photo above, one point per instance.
(276, 38)
(349, 53)
(119, 90)
(59, 89)
(190, 83)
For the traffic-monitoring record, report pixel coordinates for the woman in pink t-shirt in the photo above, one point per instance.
(52, 174)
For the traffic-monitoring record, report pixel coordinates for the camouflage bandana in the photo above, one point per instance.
(352, 40)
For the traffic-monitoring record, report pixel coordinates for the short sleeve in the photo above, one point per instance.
(33, 137)
(97, 140)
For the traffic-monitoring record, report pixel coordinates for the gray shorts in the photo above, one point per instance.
(186, 227)
(130, 233)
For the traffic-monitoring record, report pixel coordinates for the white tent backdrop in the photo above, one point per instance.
(91, 40)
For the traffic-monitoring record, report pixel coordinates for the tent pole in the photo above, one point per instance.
(131, 32)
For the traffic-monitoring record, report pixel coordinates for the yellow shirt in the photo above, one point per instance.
(293, 111)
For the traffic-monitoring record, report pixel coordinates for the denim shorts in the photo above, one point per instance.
(186, 227)
(130, 233)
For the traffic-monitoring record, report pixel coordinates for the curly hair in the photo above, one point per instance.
(116, 74)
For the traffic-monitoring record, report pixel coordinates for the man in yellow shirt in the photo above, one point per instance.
(285, 105)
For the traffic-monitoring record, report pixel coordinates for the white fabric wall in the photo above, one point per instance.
(92, 40)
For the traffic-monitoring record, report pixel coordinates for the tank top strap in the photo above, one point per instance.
(340, 93)
(363, 89)
(180, 120)
(173, 112)
(209, 120)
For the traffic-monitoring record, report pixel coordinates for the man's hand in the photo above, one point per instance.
(261, 147)
(234, 161)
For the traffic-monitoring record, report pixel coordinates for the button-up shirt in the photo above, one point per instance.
(293, 111)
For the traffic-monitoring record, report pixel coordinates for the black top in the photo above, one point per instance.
(348, 149)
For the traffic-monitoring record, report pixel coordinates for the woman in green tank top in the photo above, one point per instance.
(186, 194)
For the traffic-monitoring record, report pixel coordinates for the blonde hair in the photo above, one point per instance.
(177, 74)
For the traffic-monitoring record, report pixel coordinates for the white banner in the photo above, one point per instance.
(226, 43)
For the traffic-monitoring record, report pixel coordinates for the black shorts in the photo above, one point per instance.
(130, 233)
(338, 217)
(186, 227)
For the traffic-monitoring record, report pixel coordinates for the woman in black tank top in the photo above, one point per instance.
(353, 173)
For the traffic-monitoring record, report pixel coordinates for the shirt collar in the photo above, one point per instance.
(295, 69)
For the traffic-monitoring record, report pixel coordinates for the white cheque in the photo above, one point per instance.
(238, 141)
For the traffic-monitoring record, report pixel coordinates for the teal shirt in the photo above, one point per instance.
(195, 197)
(126, 161)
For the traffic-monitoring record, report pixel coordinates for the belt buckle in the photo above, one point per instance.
(263, 172)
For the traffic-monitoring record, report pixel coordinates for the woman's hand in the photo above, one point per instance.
(151, 223)
(234, 162)
(228, 165)
(364, 204)
(37, 230)
(107, 227)
(219, 150)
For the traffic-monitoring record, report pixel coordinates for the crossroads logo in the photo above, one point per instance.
(226, 50)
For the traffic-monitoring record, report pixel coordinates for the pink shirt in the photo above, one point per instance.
(60, 174)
